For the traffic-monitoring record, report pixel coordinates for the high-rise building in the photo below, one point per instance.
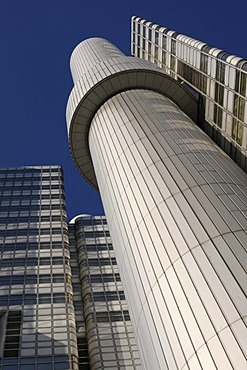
(37, 320)
(219, 77)
(62, 304)
(104, 332)
(175, 203)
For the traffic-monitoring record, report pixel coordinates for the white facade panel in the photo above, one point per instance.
(176, 209)
(180, 225)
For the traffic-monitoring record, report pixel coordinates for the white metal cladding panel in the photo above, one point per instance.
(102, 77)
(89, 53)
(176, 208)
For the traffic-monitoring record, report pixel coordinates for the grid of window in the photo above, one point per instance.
(35, 290)
(10, 333)
(31, 279)
(36, 363)
(29, 261)
(82, 343)
(100, 297)
(112, 316)
(31, 299)
(218, 76)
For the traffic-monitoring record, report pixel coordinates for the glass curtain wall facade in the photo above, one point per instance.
(219, 78)
(104, 331)
(37, 322)
(175, 203)
(62, 305)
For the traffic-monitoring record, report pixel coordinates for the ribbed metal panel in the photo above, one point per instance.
(176, 207)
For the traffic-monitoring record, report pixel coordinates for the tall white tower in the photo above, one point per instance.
(176, 206)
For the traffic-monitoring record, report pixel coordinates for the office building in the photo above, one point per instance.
(104, 332)
(219, 77)
(62, 304)
(36, 301)
(175, 203)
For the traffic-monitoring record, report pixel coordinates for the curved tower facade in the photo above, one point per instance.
(175, 204)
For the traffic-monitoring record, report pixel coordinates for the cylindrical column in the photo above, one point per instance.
(176, 209)
(176, 206)
(89, 53)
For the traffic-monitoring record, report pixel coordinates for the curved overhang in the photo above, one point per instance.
(101, 82)
(81, 215)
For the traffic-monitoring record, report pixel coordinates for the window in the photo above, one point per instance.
(237, 131)
(173, 47)
(218, 115)
(220, 71)
(112, 316)
(204, 63)
(3, 320)
(242, 87)
(189, 74)
(108, 296)
(100, 262)
(44, 279)
(12, 334)
(239, 107)
(219, 93)
(173, 63)
(17, 280)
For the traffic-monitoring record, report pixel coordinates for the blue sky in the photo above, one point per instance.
(36, 40)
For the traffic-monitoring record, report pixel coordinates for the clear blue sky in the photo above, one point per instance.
(36, 40)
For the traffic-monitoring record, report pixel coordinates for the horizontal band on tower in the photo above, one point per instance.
(104, 80)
